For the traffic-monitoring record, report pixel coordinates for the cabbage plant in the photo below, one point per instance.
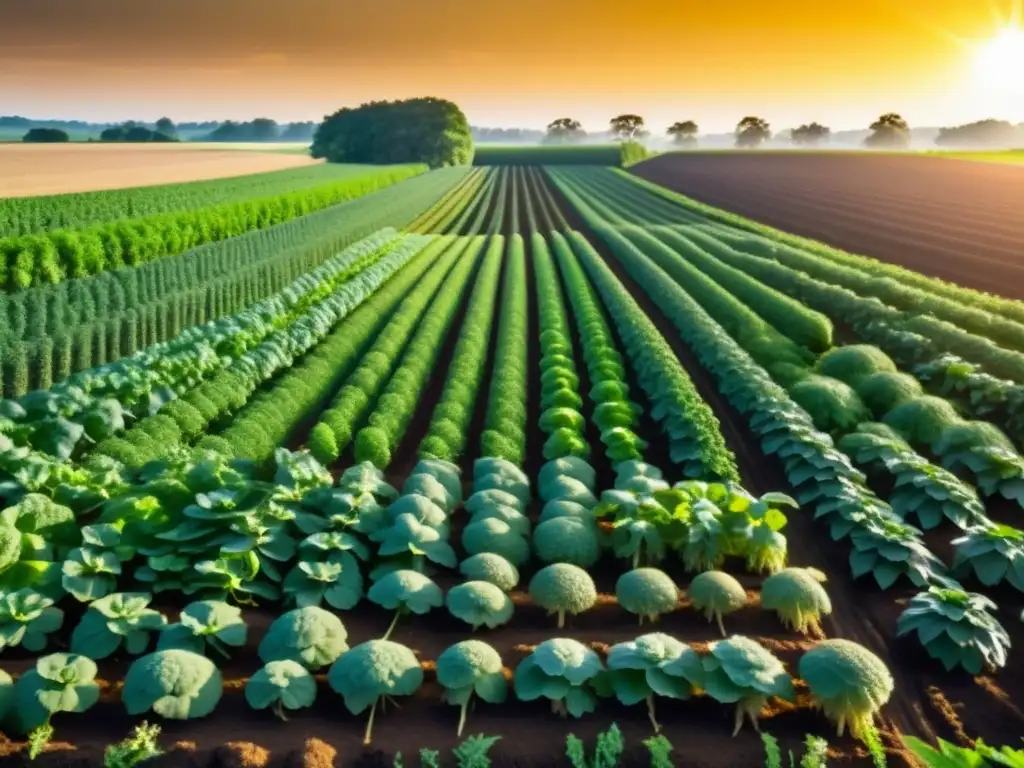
(337, 582)
(123, 617)
(310, 636)
(281, 685)
(479, 604)
(849, 683)
(647, 593)
(60, 682)
(567, 540)
(637, 671)
(797, 596)
(176, 684)
(471, 668)
(487, 566)
(405, 592)
(717, 594)
(564, 671)
(206, 624)
(26, 618)
(957, 629)
(563, 589)
(373, 673)
(409, 537)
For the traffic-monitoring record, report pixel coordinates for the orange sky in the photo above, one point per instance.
(510, 63)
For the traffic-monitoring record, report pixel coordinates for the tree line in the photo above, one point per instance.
(262, 129)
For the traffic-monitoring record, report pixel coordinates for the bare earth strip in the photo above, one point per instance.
(958, 221)
(49, 169)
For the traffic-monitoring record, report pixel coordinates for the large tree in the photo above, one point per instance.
(684, 133)
(627, 127)
(564, 130)
(890, 131)
(752, 132)
(45, 136)
(166, 126)
(810, 134)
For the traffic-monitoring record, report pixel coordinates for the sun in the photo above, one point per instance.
(999, 63)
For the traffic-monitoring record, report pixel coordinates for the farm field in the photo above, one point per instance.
(661, 460)
(955, 221)
(52, 169)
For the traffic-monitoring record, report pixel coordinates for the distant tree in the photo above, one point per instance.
(166, 126)
(138, 133)
(564, 130)
(627, 127)
(298, 132)
(810, 134)
(115, 133)
(890, 131)
(263, 129)
(752, 132)
(135, 133)
(45, 136)
(984, 133)
(684, 133)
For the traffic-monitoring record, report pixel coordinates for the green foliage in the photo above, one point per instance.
(60, 682)
(607, 751)
(309, 636)
(473, 752)
(564, 671)
(206, 623)
(139, 746)
(590, 154)
(281, 685)
(923, 419)
(956, 628)
(639, 670)
(479, 603)
(176, 684)
(647, 593)
(797, 596)
(563, 588)
(471, 668)
(379, 132)
(947, 755)
(405, 591)
(567, 540)
(848, 682)
(492, 568)
(123, 617)
(853, 363)
(885, 390)
(717, 594)
(26, 618)
(833, 404)
(660, 749)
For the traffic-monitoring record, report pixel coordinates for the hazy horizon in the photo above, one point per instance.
(510, 66)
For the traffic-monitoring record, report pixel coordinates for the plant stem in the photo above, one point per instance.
(462, 718)
(721, 626)
(650, 713)
(368, 736)
(279, 711)
(391, 628)
(561, 619)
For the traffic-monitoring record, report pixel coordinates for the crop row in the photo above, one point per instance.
(57, 255)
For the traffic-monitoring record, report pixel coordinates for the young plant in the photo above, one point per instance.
(474, 752)
(405, 592)
(120, 617)
(281, 685)
(562, 588)
(567, 540)
(471, 668)
(497, 536)
(60, 682)
(338, 581)
(479, 603)
(141, 745)
(772, 753)
(26, 618)
(637, 671)
(309, 636)
(717, 594)
(176, 684)
(564, 671)
(607, 752)
(492, 568)
(797, 596)
(371, 674)
(409, 537)
(647, 593)
(660, 750)
(848, 682)
(206, 623)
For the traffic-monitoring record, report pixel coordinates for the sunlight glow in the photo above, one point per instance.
(999, 63)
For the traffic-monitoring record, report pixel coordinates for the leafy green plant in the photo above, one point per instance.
(471, 668)
(176, 684)
(206, 623)
(566, 540)
(26, 618)
(474, 751)
(638, 671)
(848, 682)
(497, 536)
(660, 750)
(947, 755)
(797, 596)
(310, 636)
(492, 568)
(563, 589)
(139, 746)
(430, 758)
(407, 536)
(607, 751)
(372, 673)
(479, 603)
(338, 581)
(564, 671)
(647, 593)
(281, 685)
(956, 628)
(60, 682)
(123, 617)
(992, 553)
(405, 592)
(816, 752)
(772, 753)
(717, 594)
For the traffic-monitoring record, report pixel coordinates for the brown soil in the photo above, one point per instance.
(956, 221)
(50, 169)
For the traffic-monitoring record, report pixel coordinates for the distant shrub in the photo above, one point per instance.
(45, 136)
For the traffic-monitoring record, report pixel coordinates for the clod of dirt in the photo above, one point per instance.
(314, 754)
(241, 754)
(181, 754)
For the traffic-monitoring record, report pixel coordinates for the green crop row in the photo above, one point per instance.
(448, 432)
(626, 153)
(440, 217)
(57, 255)
(504, 434)
(378, 441)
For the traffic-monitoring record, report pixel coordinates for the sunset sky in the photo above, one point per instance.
(512, 64)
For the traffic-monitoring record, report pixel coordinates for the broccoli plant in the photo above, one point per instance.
(567, 540)
(60, 682)
(956, 628)
(471, 668)
(479, 603)
(405, 592)
(797, 596)
(492, 568)
(206, 623)
(494, 535)
(26, 618)
(647, 593)
(120, 617)
(561, 588)
(371, 674)
(176, 684)
(141, 745)
(310, 636)
(737, 670)
(717, 594)
(564, 671)
(281, 685)
(637, 671)
(848, 682)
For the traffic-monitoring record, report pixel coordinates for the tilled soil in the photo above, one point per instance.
(958, 221)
